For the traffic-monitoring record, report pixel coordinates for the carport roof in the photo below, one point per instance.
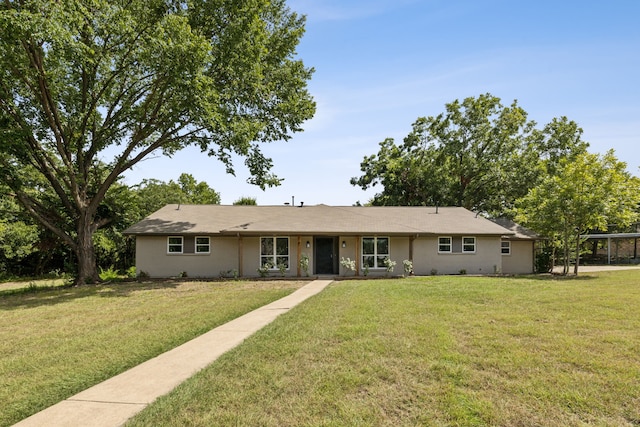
(315, 220)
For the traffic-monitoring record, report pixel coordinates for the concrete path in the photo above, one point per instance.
(114, 401)
(596, 268)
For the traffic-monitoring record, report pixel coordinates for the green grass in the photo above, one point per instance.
(55, 342)
(455, 351)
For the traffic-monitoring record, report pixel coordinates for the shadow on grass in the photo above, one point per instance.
(558, 277)
(36, 296)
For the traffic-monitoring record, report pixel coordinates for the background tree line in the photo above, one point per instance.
(490, 158)
(28, 249)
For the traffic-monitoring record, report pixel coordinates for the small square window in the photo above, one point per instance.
(444, 244)
(203, 245)
(174, 245)
(505, 247)
(468, 244)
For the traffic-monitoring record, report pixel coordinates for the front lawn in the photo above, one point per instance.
(431, 351)
(55, 342)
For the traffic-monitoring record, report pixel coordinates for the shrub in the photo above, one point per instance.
(304, 264)
(348, 264)
(408, 267)
(131, 272)
(282, 267)
(263, 270)
(389, 265)
(109, 274)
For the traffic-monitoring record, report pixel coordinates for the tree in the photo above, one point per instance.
(247, 201)
(152, 194)
(18, 238)
(81, 82)
(478, 154)
(587, 192)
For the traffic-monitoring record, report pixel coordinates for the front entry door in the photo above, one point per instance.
(326, 261)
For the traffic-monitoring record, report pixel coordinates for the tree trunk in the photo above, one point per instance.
(85, 252)
(575, 268)
(565, 248)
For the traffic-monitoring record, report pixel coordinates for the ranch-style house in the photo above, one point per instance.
(247, 241)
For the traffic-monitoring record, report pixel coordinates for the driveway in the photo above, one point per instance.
(593, 268)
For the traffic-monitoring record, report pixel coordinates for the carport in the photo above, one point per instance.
(615, 237)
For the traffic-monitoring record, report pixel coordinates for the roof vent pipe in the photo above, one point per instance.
(301, 204)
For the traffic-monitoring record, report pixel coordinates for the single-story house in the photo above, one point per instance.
(213, 240)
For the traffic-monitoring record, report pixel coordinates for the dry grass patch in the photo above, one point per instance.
(57, 342)
(431, 351)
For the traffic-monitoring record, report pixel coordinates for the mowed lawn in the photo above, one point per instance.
(55, 342)
(439, 351)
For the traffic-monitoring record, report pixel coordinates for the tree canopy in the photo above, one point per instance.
(90, 88)
(478, 154)
(246, 201)
(152, 194)
(588, 192)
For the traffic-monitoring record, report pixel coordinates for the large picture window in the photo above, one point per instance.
(274, 251)
(375, 250)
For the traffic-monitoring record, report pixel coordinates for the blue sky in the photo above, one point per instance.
(381, 64)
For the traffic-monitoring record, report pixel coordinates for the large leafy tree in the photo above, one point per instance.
(478, 154)
(90, 88)
(587, 192)
(152, 194)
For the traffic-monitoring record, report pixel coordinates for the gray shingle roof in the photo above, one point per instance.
(313, 220)
(520, 232)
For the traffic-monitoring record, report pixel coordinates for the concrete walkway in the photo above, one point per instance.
(114, 401)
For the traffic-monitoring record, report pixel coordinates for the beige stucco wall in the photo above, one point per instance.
(520, 261)
(152, 258)
(486, 260)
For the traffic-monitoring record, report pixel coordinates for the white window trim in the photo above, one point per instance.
(175, 244)
(475, 245)
(450, 244)
(208, 245)
(508, 247)
(275, 256)
(375, 251)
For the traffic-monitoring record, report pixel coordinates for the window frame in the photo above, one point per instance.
(274, 256)
(475, 244)
(440, 245)
(199, 245)
(169, 245)
(375, 255)
(507, 247)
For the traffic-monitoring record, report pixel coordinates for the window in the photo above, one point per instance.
(375, 250)
(468, 245)
(174, 245)
(505, 247)
(203, 246)
(274, 251)
(444, 244)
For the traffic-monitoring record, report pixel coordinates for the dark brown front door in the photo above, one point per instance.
(326, 250)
